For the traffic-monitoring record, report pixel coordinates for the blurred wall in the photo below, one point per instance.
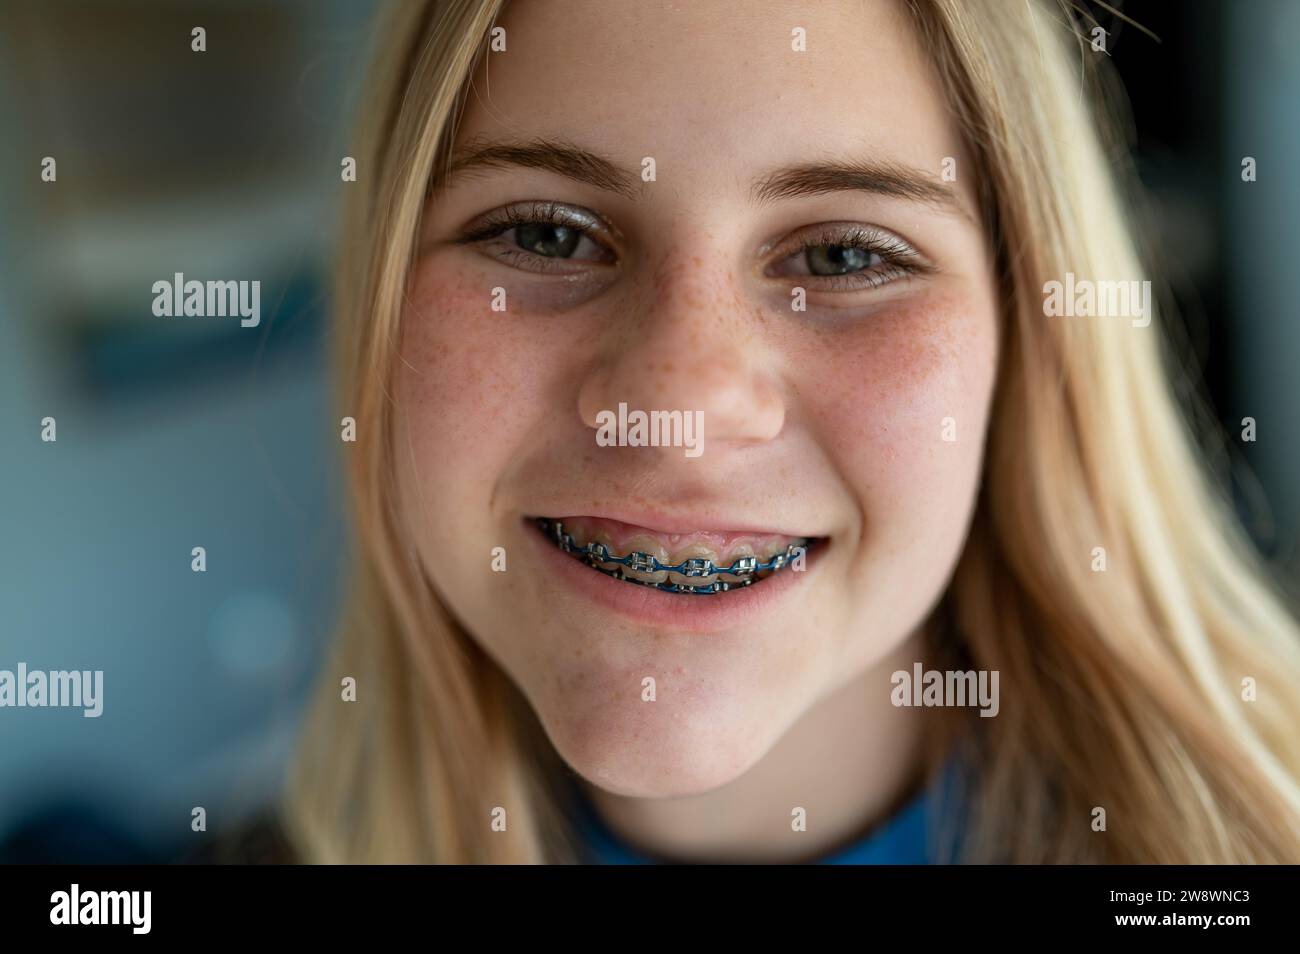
(1262, 119)
(170, 434)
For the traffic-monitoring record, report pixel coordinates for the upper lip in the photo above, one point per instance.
(678, 521)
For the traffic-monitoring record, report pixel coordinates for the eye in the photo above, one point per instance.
(542, 237)
(839, 259)
(849, 256)
(549, 241)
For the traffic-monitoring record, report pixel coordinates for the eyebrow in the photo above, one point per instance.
(566, 159)
(859, 175)
(877, 177)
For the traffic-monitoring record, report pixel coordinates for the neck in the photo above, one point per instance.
(849, 762)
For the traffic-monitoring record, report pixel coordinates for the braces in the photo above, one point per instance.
(594, 553)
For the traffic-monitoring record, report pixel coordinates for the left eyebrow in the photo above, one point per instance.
(880, 178)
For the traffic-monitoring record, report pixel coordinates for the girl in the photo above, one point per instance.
(947, 582)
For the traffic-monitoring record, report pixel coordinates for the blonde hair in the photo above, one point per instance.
(1126, 682)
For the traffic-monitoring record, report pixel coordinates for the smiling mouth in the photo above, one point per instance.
(689, 564)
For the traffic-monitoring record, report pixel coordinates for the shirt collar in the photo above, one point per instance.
(907, 837)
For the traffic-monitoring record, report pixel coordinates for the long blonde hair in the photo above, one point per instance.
(1127, 684)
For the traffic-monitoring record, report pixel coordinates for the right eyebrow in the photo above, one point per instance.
(566, 159)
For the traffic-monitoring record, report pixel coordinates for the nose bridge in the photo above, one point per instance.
(697, 289)
(683, 322)
(684, 347)
(681, 349)
(685, 280)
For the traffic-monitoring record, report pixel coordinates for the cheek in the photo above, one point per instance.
(467, 371)
(457, 378)
(902, 397)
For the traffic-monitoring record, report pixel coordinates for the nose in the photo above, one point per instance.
(689, 346)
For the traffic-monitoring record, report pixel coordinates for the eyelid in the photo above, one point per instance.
(856, 234)
(504, 217)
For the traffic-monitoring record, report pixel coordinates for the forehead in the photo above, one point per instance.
(714, 88)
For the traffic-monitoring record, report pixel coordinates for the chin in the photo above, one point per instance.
(662, 753)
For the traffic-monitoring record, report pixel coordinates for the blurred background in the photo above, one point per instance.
(171, 434)
(177, 434)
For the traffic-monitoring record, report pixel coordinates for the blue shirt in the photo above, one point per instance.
(908, 837)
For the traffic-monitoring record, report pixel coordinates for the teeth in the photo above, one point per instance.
(644, 543)
(758, 549)
(698, 561)
(740, 551)
(705, 559)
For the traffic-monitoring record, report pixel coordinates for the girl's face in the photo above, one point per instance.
(641, 192)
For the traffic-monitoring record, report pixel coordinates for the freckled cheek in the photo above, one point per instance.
(466, 371)
(883, 400)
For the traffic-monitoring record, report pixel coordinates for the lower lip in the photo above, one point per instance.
(646, 605)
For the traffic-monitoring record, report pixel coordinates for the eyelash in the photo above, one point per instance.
(496, 223)
(898, 259)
